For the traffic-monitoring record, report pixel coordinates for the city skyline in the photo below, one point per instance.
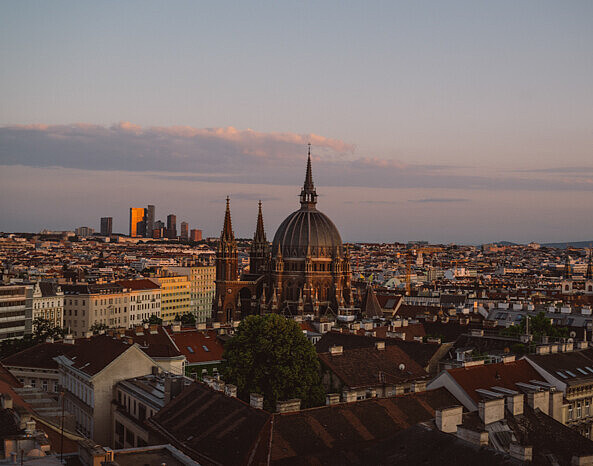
(466, 123)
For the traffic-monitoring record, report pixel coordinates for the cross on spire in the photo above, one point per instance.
(227, 230)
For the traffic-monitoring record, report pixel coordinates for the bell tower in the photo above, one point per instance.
(258, 254)
(224, 307)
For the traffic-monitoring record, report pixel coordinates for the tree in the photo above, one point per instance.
(271, 356)
(153, 320)
(187, 319)
(44, 328)
(539, 325)
(97, 327)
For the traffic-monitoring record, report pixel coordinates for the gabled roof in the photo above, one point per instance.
(154, 341)
(367, 367)
(559, 363)
(486, 376)
(92, 355)
(370, 305)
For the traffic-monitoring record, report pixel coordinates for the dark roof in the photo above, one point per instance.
(364, 367)
(92, 355)
(422, 353)
(410, 447)
(140, 284)
(561, 362)
(549, 438)
(210, 427)
(370, 305)
(453, 299)
(154, 341)
(48, 288)
(343, 433)
(501, 374)
(41, 356)
(448, 332)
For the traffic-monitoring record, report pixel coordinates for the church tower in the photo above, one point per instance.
(589, 276)
(258, 254)
(226, 271)
(567, 282)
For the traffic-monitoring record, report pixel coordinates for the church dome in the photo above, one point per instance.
(307, 229)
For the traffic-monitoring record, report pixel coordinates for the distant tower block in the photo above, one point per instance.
(196, 235)
(184, 231)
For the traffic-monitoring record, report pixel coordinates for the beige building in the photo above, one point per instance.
(48, 302)
(202, 289)
(145, 300)
(88, 375)
(175, 296)
(86, 305)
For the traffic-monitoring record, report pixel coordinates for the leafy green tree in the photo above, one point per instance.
(539, 325)
(153, 320)
(271, 356)
(97, 327)
(187, 319)
(44, 328)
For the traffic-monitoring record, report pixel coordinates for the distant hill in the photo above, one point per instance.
(573, 244)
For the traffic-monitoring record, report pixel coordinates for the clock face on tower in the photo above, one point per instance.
(229, 291)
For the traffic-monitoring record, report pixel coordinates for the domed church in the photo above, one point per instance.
(306, 270)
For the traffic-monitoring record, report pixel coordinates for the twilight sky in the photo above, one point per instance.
(457, 121)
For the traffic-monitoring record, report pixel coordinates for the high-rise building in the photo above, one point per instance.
(84, 231)
(171, 226)
(136, 222)
(196, 235)
(106, 226)
(184, 231)
(148, 221)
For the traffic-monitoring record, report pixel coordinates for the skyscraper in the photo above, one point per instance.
(136, 222)
(196, 235)
(106, 226)
(171, 226)
(184, 231)
(149, 221)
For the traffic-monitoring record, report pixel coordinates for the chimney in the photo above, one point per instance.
(448, 419)
(69, 339)
(173, 387)
(256, 400)
(6, 401)
(539, 399)
(348, 397)
(521, 453)
(556, 401)
(230, 390)
(288, 406)
(515, 403)
(332, 399)
(30, 426)
(380, 345)
(336, 350)
(419, 386)
(49, 340)
(201, 326)
(155, 370)
(88, 334)
(176, 327)
(491, 410)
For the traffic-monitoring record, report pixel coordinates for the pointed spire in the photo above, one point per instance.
(308, 193)
(260, 234)
(227, 230)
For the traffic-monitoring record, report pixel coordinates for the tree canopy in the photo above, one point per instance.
(271, 356)
(539, 325)
(187, 319)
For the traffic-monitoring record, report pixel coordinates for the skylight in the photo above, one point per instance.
(570, 373)
(205, 348)
(589, 369)
(561, 375)
(582, 371)
(190, 349)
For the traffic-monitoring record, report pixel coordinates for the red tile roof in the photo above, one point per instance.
(204, 344)
(140, 284)
(485, 376)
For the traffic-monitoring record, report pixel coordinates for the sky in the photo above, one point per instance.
(457, 121)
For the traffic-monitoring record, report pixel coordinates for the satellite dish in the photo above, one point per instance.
(570, 340)
(402, 367)
(573, 334)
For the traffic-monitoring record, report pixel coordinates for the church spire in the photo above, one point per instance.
(308, 193)
(589, 274)
(227, 230)
(260, 234)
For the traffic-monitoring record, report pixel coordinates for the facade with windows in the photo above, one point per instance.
(87, 305)
(137, 400)
(48, 303)
(15, 311)
(175, 296)
(145, 300)
(202, 289)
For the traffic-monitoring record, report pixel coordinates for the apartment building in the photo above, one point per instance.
(138, 399)
(175, 296)
(145, 300)
(48, 302)
(89, 304)
(15, 311)
(202, 289)
(88, 375)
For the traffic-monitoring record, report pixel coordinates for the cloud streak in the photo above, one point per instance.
(230, 155)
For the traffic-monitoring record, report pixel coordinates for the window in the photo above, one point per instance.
(578, 410)
(570, 412)
(587, 408)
